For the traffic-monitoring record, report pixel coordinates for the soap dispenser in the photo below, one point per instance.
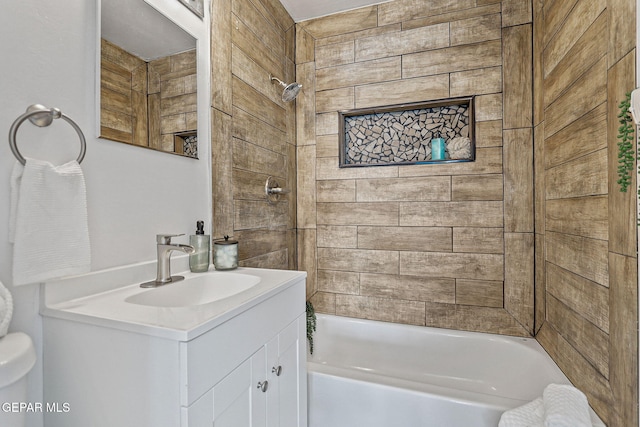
(199, 259)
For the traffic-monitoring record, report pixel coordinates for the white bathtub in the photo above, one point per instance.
(378, 374)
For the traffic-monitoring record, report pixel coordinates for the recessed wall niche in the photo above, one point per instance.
(440, 131)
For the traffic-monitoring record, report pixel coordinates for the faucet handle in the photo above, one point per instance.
(165, 239)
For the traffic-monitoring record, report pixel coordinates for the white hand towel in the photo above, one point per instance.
(48, 223)
(529, 415)
(6, 309)
(565, 406)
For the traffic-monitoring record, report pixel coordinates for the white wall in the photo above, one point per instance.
(48, 56)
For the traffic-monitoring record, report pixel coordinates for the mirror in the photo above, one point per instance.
(148, 79)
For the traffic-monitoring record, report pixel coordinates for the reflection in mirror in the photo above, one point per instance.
(148, 79)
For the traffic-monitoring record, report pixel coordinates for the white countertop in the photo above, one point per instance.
(97, 299)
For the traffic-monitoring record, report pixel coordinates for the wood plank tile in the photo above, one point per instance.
(518, 180)
(555, 12)
(338, 190)
(582, 56)
(583, 136)
(248, 99)
(222, 171)
(250, 157)
(488, 161)
(306, 186)
(516, 12)
(327, 168)
(476, 82)
(251, 129)
(452, 265)
(540, 288)
(403, 91)
(489, 107)
(248, 185)
(403, 42)
(517, 59)
(358, 260)
(388, 310)
(591, 342)
(340, 23)
(432, 239)
(476, 187)
(324, 302)
(335, 100)
(305, 46)
(405, 10)
(622, 24)
(380, 70)
(251, 73)
(584, 216)
(585, 176)
(412, 288)
(519, 277)
(339, 282)
(250, 214)
(579, 370)
(305, 105)
(488, 9)
(255, 48)
(354, 35)
(483, 293)
(478, 240)
(306, 253)
(452, 59)
(587, 298)
(258, 242)
(489, 134)
(624, 335)
(476, 29)
(272, 260)
(622, 206)
(420, 189)
(335, 54)
(488, 319)
(578, 20)
(451, 214)
(358, 213)
(337, 236)
(327, 146)
(580, 255)
(327, 123)
(254, 19)
(276, 12)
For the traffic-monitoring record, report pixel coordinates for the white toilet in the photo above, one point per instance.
(17, 357)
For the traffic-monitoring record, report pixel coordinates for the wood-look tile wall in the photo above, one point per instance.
(253, 131)
(172, 96)
(146, 103)
(447, 245)
(585, 241)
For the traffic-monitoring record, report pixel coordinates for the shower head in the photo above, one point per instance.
(290, 90)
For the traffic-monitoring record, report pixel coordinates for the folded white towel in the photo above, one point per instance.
(6, 309)
(529, 415)
(565, 406)
(48, 224)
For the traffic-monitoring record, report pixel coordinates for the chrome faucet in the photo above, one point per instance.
(164, 249)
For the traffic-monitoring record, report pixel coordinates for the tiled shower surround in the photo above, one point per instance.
(404, 136)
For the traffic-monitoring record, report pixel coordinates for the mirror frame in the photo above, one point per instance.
(197, 28)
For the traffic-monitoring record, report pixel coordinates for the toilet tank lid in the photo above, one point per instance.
(17, 357)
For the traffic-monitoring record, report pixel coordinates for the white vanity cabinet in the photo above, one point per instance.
(249, 370)
(264, 391)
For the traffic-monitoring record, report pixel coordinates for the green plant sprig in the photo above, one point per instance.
(311, 324)
(626, 154)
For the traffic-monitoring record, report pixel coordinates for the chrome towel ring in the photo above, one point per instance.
(42, 116)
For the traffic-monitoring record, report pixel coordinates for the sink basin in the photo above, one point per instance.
(195, 290)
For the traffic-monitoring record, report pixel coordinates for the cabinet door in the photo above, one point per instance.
(287, 404)
(237, 399)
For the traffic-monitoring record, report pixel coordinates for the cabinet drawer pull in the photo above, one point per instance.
(277, 370)
(263, 386)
